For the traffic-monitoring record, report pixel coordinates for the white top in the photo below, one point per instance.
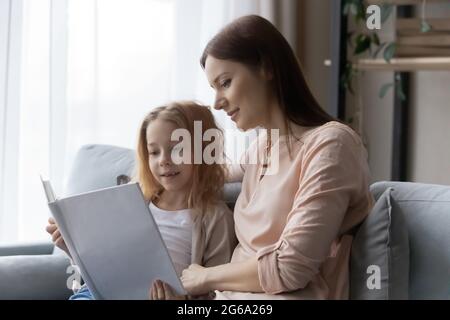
(176, 230)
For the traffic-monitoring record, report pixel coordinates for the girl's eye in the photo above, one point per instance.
(226, 83)
(153, 153)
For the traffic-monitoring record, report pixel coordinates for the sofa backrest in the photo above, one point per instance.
(97, 166)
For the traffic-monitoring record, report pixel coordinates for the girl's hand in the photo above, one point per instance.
(194, 280)
(162, 291)
(57, 239)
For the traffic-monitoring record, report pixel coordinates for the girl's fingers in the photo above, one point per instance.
(160, 290)
(51, 228)
(168, 294)
(152, 294)
(156, 291)
(56, 235)
(51, 220)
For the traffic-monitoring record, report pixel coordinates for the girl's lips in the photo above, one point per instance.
(169, 175)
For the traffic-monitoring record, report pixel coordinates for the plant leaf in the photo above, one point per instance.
(389, 51)
(378, 50)
(424, 27)
(384, 89)
(362, 43)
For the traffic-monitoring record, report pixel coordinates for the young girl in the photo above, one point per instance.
(185, 199)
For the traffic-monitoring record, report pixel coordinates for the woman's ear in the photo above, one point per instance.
(266, 70)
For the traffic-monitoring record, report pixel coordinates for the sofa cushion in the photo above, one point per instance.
(34, 277)
(380, 254)
(426, 210)
(97, 166)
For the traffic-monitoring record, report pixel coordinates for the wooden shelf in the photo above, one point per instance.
(405, 64)
(403, 2)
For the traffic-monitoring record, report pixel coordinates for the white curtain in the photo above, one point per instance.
(74, 72)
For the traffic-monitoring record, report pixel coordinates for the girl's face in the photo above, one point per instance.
(244, 94)
(172, 177)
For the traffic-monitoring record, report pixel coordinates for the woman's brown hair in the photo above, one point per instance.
(207, 179)
(255, 42)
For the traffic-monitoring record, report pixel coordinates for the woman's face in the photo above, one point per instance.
(172, 177)
(243, 93)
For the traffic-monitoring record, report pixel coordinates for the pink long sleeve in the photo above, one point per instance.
(296, 221)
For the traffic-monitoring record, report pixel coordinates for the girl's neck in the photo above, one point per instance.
(172, 201)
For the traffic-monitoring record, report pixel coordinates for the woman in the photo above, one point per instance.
(294, 227)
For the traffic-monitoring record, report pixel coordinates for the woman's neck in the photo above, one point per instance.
(277, 120)
(172, 200)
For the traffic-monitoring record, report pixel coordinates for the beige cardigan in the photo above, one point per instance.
(213, 237)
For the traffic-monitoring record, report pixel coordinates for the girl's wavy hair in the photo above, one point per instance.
(207, 179)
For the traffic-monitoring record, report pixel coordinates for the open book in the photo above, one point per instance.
(114, 240)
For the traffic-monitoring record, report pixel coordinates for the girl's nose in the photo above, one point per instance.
(165, 159)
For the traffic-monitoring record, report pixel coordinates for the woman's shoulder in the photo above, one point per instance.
(332, 131)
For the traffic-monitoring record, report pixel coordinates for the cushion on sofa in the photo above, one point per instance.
(426, 210)
(97, 166)
(380, 254)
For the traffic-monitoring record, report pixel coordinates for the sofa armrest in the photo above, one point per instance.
(27, 249)
(36, 277)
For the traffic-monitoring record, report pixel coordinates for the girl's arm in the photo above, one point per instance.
(237, 276)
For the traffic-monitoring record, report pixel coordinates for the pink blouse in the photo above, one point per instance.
(298, 221)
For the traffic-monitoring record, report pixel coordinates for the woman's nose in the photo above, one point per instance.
(219, 103)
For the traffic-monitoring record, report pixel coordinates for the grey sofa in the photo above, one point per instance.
(406, 238)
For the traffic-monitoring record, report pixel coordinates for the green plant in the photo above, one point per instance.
(365, 41)
(368, 42)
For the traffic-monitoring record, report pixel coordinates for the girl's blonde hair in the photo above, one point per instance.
(207, 179)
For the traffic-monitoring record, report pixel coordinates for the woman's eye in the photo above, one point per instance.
(226, 83)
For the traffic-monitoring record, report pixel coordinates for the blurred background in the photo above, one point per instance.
(74, 72)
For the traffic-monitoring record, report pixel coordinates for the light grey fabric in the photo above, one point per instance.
(27, 249)
(426, 210)
(97, 166)
(34, 277)
(381, 250)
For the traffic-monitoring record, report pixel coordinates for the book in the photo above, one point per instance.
(114, 240)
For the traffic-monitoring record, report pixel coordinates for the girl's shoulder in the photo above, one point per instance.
(216, 212)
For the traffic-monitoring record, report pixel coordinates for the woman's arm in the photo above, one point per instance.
(238, 276)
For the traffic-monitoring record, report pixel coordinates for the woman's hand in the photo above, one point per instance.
(194, 280)
(57, 239)
(162, 291)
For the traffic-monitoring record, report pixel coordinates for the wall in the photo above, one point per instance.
(429, 142)
(430, 120)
